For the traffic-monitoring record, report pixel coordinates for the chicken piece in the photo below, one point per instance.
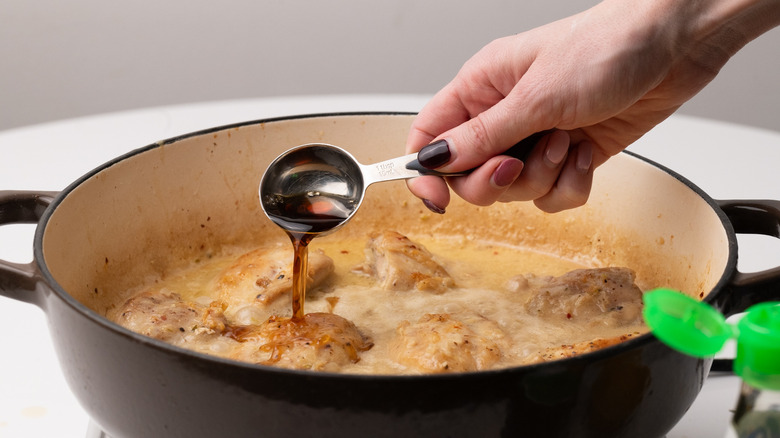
(571, 350)
(401, 264)
(439, 343)
(590, 296)
(318, 341)
(263, 275)
(165, 316)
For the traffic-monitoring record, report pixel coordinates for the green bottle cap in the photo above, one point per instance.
(758, 346)
(685, 324)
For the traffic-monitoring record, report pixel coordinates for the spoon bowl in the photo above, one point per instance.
(316, 188)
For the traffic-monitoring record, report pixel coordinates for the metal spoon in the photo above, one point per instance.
(316, 188)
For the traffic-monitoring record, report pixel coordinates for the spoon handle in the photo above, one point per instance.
(408, 166)
(403, 167)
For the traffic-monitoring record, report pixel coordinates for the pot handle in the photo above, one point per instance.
(746, 289)
(19, 281)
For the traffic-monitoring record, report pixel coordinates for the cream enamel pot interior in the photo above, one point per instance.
(163, 205)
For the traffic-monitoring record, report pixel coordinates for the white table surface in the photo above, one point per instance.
(726, 160)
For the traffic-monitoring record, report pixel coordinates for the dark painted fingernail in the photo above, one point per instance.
(433, 207)
(434, 155)
(507, 172)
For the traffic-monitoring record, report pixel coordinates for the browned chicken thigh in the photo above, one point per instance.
(264, 275)
(398, 263)
(318, 341)
(448, 343)
(605, 296)
(165, 316)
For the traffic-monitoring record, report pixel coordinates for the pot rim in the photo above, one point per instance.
(105, 323)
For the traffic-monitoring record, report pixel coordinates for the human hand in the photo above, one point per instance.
(600, 79)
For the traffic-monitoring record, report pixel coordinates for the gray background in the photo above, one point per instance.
(62, 59)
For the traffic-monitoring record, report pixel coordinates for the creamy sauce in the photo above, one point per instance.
(481, 272)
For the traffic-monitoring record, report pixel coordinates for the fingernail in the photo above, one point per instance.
(432, 207)
(507, 172)
(434, 155)
(556, 152)
(584, 156)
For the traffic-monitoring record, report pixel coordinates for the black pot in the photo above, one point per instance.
(147, 211)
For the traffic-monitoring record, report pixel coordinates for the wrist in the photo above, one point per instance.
(707, 33)
(728, 25)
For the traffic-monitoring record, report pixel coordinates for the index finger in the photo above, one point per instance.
(443, 112)
(490, 133)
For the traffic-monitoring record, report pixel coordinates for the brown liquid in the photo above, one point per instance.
(303, 216)
(310, 212)
(300, 243)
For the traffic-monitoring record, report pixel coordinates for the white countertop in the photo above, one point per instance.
(727, 161)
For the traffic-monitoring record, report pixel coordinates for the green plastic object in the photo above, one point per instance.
(697, 329)
(758, 346)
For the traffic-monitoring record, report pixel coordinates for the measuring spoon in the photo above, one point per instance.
(316, 188)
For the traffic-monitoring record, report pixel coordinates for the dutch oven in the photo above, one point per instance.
(158, 207)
